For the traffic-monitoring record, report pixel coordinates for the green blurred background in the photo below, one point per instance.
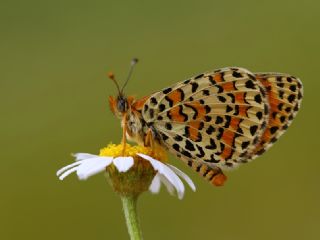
(53, 64)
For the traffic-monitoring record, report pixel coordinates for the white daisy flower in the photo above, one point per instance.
(87, 165)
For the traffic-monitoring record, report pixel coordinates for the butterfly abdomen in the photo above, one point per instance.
(214, 175)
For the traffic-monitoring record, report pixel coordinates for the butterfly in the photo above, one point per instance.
(215, 120)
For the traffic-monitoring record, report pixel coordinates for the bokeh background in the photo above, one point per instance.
(53, 63)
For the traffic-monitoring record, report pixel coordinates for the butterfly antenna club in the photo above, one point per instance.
(134, 61)
(112, 77)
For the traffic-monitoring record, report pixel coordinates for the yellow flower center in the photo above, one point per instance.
(139, 177)
(116, 150)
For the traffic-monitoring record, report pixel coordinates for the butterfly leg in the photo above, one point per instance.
(149, 139)
(124, 133)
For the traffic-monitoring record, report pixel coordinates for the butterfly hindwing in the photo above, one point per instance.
(215, 118)
(284, 94)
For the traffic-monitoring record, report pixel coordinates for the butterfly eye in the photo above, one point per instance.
(122, 104)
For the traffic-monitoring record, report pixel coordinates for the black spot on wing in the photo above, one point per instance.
(186, 153)
(219, 120)
(228, 121)
(176, 147)
(187, 131)
(178, 138)
(261, 151)
(220, 89)
(222, 99)
(273, 129)
(189, 146)
(291, 98)
(194, 86)
(288, 109)
(167, 90)
(164, 136)
(212, 145)
(236, 110)
(206, 92)
(201, 152)
(199, 76)
(213, 82)
(210, 130)
(258, 98)
(151, 113)
(195, 115)
(207, 118)
(280, 105)
(153, 100)
(162, 107)
(185, 116)
(253, 129)
(281, 92)
(220, 132)
(281, 85)
(212, 159)
(229, 109)
(259, 115)
(169, 101)
(181, 93)
(207, 108)
(231, 95)
(187, 81)
(250, 84)
(245, 144)
(168, 126)
(236, 74)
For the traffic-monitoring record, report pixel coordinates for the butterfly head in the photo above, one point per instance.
(119, 105)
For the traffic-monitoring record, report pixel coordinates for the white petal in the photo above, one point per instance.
(123, 164)
(92, 166)
(165, 171)
(168, 184)
(156, 184)
(59, 172)
(67, 173)
(184, 176)
(82, 156)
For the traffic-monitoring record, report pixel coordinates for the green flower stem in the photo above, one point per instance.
(129, 204)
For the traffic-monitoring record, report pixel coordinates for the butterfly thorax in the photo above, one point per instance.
(135, 126)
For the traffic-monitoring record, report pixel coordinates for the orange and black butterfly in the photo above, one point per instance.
(215, 120)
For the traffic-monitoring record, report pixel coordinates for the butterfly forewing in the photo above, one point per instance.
(215, 118)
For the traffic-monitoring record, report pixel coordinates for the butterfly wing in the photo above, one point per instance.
(215, 118)
(284, 93)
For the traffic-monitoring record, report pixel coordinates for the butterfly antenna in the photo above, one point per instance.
(134, 61)
(112, 77)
